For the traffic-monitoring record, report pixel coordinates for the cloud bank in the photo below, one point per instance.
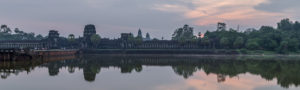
(158, 17)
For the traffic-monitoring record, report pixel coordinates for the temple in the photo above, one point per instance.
(89, 30)
(126, 41)
(52, 42)
(21, 44)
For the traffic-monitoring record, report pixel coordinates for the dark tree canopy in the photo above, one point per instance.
(185, 33)
(285, 38)
(7, 34)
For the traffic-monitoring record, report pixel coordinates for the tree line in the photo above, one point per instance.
(283, 39)
(7, 34)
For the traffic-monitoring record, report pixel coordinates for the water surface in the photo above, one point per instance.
(153, 72)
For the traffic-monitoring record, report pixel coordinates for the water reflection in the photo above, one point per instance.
(284, 69)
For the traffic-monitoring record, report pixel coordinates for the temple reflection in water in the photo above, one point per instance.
(284, 69)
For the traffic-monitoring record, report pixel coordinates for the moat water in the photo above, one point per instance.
(153, 72)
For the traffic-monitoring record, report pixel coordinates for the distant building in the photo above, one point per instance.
(89, 31)
(53, 34)
(106, 43)
(21, 44)
(160, 44)
(126, 36)
(52, 40)
(165, 44)
(140, 35)
(221, 26)
(147, 37)
(71, 36)
(126, 40)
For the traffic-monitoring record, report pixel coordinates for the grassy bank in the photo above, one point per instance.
(158, 51)
(264, 52)
(185, 51)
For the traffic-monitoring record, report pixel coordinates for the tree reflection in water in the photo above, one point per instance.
(286, 69)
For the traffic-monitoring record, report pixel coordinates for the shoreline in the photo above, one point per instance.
(186, 52)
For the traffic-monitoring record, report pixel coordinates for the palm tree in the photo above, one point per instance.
(5, 29)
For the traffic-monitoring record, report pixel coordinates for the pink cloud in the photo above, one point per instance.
(208, 12)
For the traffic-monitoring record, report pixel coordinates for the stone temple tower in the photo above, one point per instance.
(53, 37)
(140, 34)
(89, 30)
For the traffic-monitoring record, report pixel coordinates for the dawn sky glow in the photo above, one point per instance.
(158, 17)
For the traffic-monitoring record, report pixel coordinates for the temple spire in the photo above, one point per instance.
(140, 34)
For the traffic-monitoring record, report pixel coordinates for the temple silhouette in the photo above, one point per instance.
(126, 41)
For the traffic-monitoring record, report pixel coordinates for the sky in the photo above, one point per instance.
(158, 17)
